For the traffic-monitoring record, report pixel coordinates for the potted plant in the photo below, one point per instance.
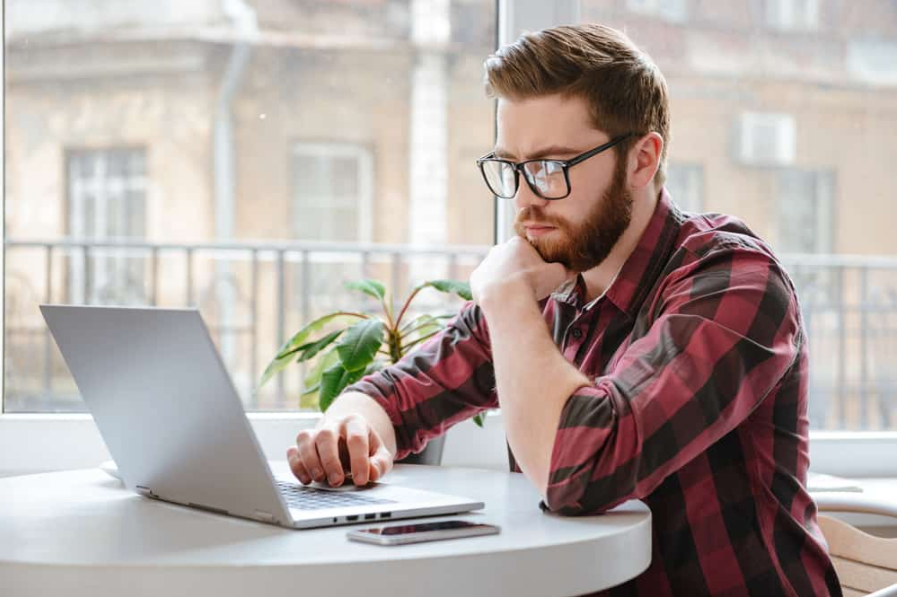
(358, 344)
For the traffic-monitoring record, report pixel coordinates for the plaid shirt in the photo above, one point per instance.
(698, 407)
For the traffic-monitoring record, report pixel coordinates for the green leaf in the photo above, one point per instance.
(275, 367)
(370, 287)
(300, 337)
(309, 350)
(309, 400)
(333, 382)
(291, 346)
(358, 347)
(462, 289)
(419, 340)
(426, 329)
(313, 377)
(425, 318)
(479, 419)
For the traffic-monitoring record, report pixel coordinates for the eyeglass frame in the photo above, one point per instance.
(565, 167)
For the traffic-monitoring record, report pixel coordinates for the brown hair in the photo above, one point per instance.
(624, 88)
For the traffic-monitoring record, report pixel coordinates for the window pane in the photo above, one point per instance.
(333, 187)
(784, 113)
(149, 162)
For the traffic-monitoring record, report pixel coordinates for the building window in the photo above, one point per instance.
(805, 201)
(765, 139)
(685, 182)
(672, 10)
(792, 15)
(106, 194)
(333, 194)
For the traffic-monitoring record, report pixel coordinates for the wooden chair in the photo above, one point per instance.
(866, 564)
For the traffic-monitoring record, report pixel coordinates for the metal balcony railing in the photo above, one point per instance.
(254, 295)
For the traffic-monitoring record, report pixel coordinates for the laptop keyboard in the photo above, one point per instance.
(309, 498)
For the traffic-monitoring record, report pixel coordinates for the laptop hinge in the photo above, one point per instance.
(145, 491)
(207, 508)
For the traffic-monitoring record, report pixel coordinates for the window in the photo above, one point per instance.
(334, 192)
(777, 125)
(765, 139)
(673, 10)
(806, 204)
(685, 182)
(309, 144)
(106, 201)
(792, 15)
(401, 81)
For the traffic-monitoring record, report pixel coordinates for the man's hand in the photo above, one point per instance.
(516, 264)
(344, 443)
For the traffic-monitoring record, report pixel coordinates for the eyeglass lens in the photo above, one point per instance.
(546, 176)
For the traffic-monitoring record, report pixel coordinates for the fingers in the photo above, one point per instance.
(331, 453)
(327, 445)
(296, 465)
(357, 433)
(381, 459)
(308, 454)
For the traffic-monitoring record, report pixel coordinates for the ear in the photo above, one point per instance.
(644, 160)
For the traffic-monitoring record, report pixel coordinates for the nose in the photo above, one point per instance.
(525, 196)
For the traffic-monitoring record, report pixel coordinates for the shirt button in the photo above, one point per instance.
(577, 333)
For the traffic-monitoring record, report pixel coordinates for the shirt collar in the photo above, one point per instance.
(640, 271)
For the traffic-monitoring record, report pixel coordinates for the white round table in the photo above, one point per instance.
(82, 533)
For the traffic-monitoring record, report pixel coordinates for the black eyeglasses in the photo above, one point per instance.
(548, 179)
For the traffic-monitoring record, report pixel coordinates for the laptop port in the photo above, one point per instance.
(351, 518)
(386, 515)
(370, 516)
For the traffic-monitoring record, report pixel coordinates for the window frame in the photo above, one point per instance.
(46, 442)
(792, 16)
(655, 8)
(365, 171)
(693, 173)
(99, 187)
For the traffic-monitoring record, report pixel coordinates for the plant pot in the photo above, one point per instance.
(431, 454)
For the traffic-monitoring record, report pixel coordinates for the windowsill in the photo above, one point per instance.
(878, 488)
(36, 443)
(48, 442)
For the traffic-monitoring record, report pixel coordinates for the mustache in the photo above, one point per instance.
(535, 215)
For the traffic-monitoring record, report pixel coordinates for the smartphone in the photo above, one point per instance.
(422, 531)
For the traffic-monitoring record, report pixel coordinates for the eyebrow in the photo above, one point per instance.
(551, 150)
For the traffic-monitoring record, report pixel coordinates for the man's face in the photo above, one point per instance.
(580, 230)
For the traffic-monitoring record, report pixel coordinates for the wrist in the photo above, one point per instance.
(506, 295)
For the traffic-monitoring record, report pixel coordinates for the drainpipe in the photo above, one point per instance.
(428, 143)
(245, 24)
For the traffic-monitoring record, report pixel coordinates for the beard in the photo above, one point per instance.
(583, 247)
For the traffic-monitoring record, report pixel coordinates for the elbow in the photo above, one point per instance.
(565, 496)
(579, 495)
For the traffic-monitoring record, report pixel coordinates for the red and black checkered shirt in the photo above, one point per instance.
(698, 407)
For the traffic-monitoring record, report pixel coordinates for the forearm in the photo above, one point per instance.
(533, 380)
(362, 404)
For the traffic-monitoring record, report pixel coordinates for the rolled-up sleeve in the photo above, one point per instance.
(725, 332)
(447, 379)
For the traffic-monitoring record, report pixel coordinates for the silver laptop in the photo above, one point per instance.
(174, 423)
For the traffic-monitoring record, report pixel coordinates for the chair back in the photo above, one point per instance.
(866, 565)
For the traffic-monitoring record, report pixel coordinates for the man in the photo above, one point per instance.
(636, 352)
